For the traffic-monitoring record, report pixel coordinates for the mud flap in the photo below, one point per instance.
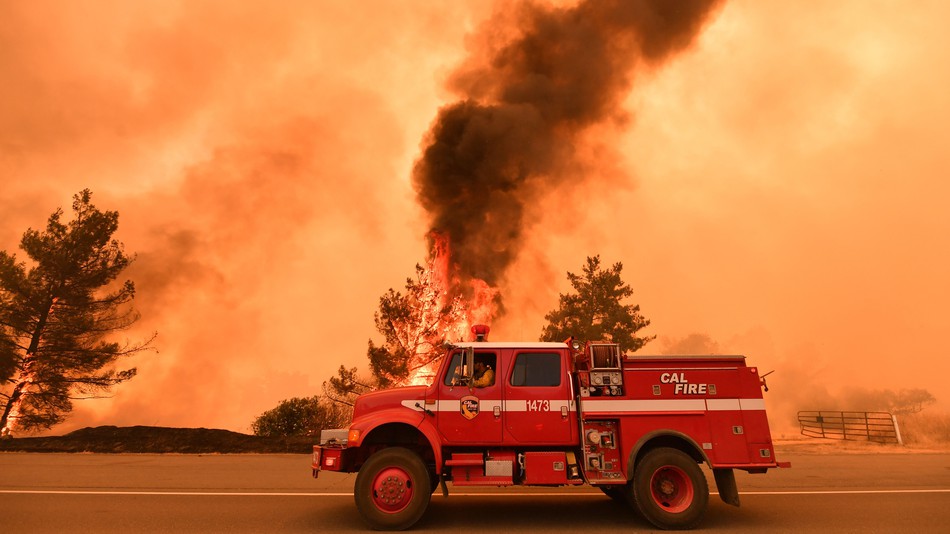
(726, 485)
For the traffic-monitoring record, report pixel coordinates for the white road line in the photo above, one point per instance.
(842, 492)
(486, 494)
(173, 493)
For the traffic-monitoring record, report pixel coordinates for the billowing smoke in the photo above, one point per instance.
(538, 81)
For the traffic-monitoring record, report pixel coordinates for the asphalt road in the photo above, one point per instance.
(66, 493)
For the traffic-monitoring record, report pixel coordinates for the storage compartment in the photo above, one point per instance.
(545, 468)
(473, 469)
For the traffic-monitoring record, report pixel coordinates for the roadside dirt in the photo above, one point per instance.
(833, 446)
(150, 439)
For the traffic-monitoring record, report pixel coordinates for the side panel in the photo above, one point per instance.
(755, 421)
(704, 400)
(728, 431)
(539, 407)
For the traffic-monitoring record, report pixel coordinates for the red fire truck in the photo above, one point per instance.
(557, 414)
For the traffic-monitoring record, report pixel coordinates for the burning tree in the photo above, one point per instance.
(415, 326)
(56, 316)
(436, 308)
(596, 311)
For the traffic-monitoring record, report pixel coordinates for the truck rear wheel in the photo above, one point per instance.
(392, 489)
(670, 490)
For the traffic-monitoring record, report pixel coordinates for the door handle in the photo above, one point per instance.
(497, 411)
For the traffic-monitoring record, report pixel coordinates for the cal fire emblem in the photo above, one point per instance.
(469, 406)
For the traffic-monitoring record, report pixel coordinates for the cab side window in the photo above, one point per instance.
(536, 369)
(456, 370)
(483, 374)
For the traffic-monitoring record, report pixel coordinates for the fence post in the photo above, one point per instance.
(897, 430)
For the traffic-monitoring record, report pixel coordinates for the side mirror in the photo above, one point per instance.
(762, 380)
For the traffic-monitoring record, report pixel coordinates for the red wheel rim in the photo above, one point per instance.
(392, 490)
(671, 489)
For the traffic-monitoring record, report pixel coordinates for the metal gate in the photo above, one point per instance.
(880, 427)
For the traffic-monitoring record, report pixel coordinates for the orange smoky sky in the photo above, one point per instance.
(776, 189)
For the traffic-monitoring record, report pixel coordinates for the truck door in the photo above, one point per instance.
(470, 413)
(539, 400)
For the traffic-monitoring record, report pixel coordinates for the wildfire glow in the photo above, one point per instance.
(778, 188)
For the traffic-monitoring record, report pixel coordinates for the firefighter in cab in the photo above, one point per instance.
(484, 375)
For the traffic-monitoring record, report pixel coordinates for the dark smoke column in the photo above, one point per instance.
(525, 101)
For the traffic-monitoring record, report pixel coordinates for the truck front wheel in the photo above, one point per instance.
(392, 489)
(670, 490)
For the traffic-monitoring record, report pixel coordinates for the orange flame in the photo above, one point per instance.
(26, 380)
(454, 304)
(476, 297)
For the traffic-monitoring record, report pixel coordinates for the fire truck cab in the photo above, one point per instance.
(553, 414)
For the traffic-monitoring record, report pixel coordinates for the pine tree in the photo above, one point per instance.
(595, 311)
(57, 317)
(346, 386)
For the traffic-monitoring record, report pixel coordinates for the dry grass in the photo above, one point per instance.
(925, 429)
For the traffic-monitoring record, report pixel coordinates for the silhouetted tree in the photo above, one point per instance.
(901, 402)
(596, 311)
(343, 388)
(908, 401)
(58, 314)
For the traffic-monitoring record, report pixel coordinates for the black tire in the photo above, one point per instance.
(392, 489)
(669, 489)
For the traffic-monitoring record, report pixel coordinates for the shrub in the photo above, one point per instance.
(299, 417)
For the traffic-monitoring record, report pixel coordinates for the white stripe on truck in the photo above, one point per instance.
(602, 405)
